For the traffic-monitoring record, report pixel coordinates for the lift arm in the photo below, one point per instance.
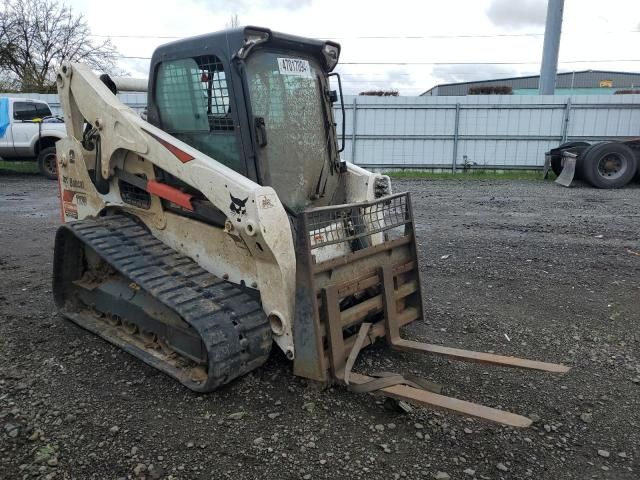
(255, 218)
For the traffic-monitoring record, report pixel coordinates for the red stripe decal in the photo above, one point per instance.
(169, 193)
(184, 157)
(59, 180)
(67, 195)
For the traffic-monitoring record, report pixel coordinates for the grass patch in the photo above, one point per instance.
(18, 167)
(470, 175)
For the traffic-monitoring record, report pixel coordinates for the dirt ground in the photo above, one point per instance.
(521, 268)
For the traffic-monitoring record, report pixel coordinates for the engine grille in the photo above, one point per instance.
(133, 195)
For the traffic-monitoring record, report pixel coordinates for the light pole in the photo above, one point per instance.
(551, 47)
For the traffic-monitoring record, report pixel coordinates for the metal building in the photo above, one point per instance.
(585, 82)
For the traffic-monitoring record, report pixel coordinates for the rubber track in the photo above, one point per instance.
(230, 322)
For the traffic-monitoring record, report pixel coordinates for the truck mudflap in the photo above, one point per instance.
(349, 301)
(568, 161)
(568, 173)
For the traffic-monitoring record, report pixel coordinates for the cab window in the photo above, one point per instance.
(193, 101)
(28, 111)
(24, 111)
(42, 110)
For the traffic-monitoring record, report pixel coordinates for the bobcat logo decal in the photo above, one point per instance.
(237, 205)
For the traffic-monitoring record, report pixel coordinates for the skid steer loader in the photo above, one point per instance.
(228, 222)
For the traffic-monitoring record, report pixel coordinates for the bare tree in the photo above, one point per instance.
(233, 21)
(36, 35)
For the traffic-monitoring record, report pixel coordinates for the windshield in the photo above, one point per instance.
(286, 91)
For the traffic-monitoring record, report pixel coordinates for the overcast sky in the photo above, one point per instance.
(504, 37)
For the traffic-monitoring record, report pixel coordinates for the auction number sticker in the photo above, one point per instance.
(294, 66)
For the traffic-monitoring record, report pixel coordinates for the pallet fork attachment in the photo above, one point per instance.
(388, 290)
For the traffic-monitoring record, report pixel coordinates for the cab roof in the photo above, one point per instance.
(228, 42)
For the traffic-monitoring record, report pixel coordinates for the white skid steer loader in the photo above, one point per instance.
(227, 222)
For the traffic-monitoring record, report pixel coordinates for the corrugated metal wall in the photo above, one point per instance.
(491, 131)
(581, 79)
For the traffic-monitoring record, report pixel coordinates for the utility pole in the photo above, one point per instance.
(552, 30)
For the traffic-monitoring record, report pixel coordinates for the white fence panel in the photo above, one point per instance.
(490, 131)
(137, 101)
(483, 131)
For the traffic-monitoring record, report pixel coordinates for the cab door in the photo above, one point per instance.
(23, 128)
(194, 100)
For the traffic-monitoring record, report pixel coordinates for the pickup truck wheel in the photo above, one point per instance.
(47, 163)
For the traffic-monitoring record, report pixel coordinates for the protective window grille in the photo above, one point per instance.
(193, 95)
(214, 85)
(347, 223)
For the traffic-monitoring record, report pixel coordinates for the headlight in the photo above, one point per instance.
(382, 186)
(331, 52)
(253, 35)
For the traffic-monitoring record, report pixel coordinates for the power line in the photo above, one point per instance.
(461, 73)
(364, 37)
(486, 63)
(135, 36)
(384, 37)
(619, 60)
(386, 76)
(487, 35)
(419, 37)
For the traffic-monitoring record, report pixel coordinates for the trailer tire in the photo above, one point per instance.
(47, 163)
(608, 165)
(580, 173)
(556, 160)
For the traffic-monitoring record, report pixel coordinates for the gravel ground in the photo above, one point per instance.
(524, 268)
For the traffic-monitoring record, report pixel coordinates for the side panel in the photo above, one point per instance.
(310, 361)
(216, 250)
(24, 136)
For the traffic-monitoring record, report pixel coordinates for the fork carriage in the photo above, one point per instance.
(367, 294)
